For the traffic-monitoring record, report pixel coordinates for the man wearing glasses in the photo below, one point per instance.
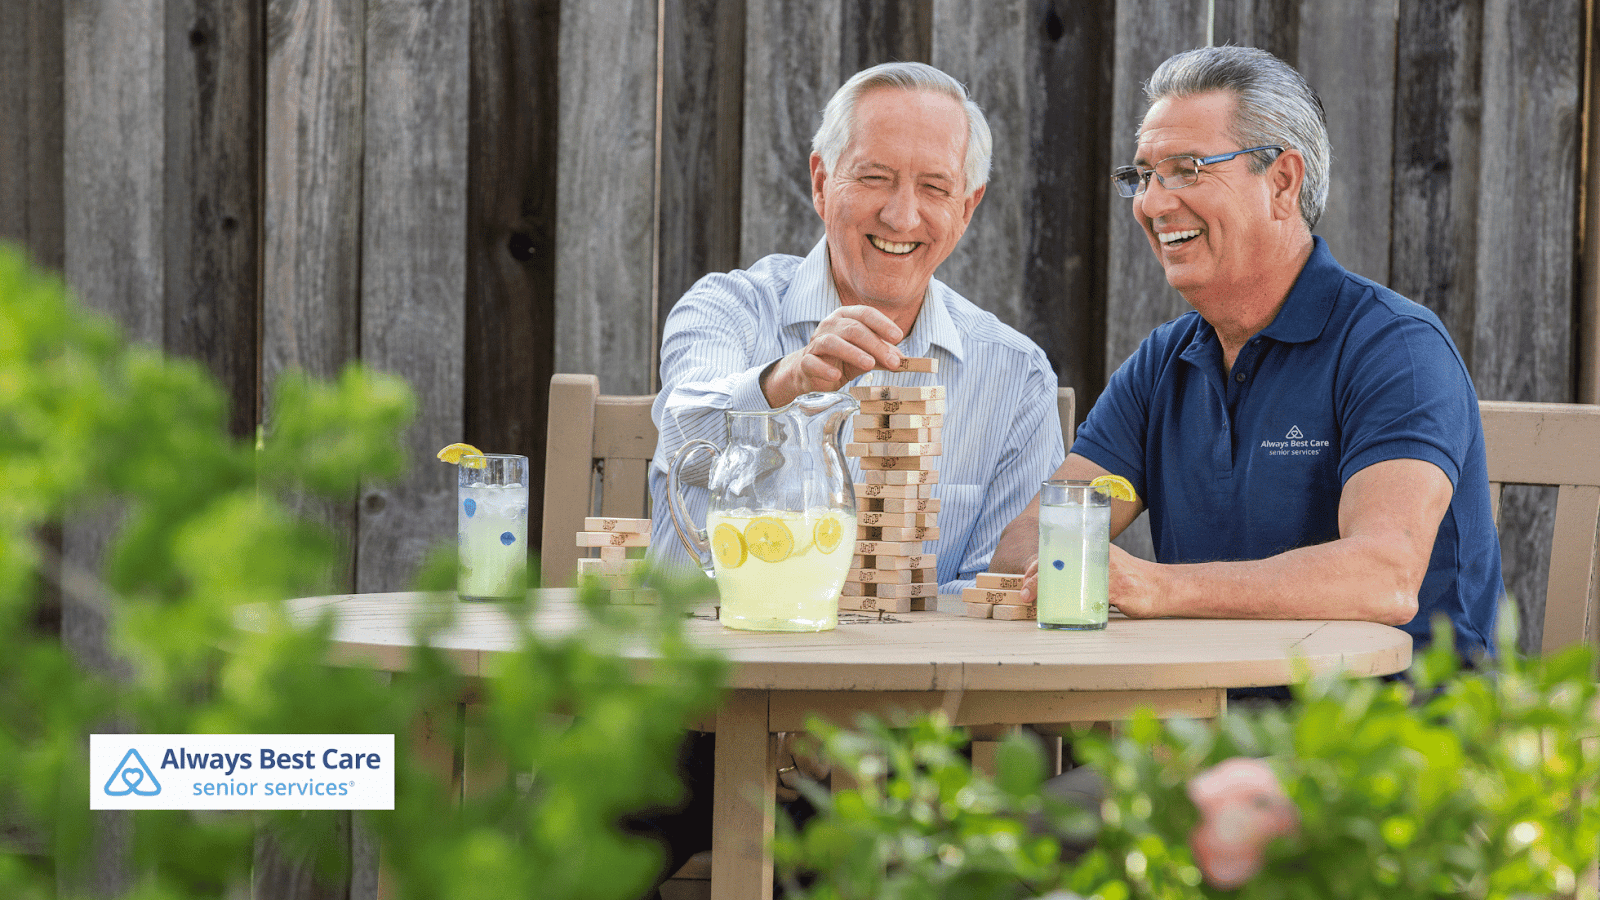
(1308, 442)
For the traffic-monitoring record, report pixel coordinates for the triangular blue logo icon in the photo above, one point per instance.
(132, 776)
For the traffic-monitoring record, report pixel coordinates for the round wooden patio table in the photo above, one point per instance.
(981, 672)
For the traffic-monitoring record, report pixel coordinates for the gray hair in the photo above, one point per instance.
(1275, 106)
(838, 117)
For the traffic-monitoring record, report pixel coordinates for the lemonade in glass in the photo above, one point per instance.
(781, 570)
(492, 527)
(1074, 556)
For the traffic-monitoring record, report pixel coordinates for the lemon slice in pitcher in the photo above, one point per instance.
(769, 539)
(452, 454)
(1115, 486)
(728, 545)
(827, 534)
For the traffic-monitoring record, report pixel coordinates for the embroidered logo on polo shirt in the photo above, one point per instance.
(1294, 443)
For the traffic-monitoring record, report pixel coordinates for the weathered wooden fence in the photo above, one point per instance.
(478, 193)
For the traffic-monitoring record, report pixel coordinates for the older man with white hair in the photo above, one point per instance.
(898, 167)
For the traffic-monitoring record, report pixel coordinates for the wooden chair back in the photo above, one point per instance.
(1556, 444)
(1067, 405)
(597, 461)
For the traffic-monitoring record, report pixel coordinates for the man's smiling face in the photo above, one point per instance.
(896, 204)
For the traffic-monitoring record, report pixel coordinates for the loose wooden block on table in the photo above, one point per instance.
(991, 596)
(1015, 613)
(999, 581)
(612, 539)
(632, 526)
(888, 392)
(979, 610)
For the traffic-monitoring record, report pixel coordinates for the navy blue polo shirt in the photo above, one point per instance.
(1249, 464)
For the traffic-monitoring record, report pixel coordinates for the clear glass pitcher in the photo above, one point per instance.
(780, 525)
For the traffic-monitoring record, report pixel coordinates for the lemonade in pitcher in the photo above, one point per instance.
(781, 570)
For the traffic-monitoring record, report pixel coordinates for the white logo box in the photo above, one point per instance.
(241, 771)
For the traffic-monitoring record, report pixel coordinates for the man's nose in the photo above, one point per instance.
(1155, 200)
(900, 212)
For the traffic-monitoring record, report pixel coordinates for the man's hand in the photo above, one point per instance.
(850, 341)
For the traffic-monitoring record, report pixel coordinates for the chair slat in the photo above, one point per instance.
(1569, 607)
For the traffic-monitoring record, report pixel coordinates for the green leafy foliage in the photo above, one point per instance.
(204, 547)
(1478, 784)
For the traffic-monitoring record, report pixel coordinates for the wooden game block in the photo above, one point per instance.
(879, 576)
(613, 554)
(897, 464)
(990, 595)
(979, 610)
(915, 364)
(897, 392)
(612, 539)
(1000, 581)
(923, 604)
(888, 548)
(636, 597)
(866, 519)
(886, 449)
(589, 565)
(914, 533)
(634, 526)
(899, 476)
(914, 589)
(1015, 613)
(901, 407)
(908, 435)
(881, 604)
(925, 561)
(912, 491)
(910, 505)
(898, 421)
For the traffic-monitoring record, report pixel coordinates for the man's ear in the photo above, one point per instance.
(1285, 176)
(819, 177)
(971, 204)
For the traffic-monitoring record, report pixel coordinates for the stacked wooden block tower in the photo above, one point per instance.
(614, 567)
(897, 438)
(997, 596)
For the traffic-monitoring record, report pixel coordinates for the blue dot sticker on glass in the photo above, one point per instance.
(507, 538)
(470, 505)
(1059, 565)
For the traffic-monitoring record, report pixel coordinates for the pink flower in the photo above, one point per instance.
(1242, 808)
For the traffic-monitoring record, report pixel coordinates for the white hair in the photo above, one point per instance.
(838, 117)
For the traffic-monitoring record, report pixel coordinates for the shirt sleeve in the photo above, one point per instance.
(1033, 450)
(1115, 430)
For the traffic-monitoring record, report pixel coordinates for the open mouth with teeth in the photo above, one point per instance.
(1172, 238)
(892, 247)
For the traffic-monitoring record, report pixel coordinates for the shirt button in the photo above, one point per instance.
(1239, 377)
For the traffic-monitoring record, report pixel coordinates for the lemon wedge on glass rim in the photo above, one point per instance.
(453, 453)
(1115, 486)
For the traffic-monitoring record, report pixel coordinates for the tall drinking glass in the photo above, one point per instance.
(492, 527)
(1074, 555)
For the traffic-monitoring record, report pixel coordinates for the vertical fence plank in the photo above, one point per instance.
(311, 223)
(31, 211)
(1433, 242)
(1137, 294)
(413, 266)
(792, 53)
(1588, 318)
(878, 31)
(702, 116)
(1341, 47)
(604, 264)
(511, 229)
(1272, 25)
(114, 97)
(1526, 239)
(991, 47)
(213, 203)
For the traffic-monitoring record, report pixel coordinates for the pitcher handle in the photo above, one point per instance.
(693, 536)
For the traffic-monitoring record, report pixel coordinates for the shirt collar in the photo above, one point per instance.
(1310, 302)
(812, 296)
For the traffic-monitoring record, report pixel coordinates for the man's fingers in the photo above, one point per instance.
(1030, 582)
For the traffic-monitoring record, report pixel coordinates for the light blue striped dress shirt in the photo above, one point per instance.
(1002, 434)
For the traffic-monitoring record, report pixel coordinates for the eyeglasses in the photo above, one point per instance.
(1174, 172)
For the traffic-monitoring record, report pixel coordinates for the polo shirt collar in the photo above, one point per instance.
(1310, 302)
(812, 296)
